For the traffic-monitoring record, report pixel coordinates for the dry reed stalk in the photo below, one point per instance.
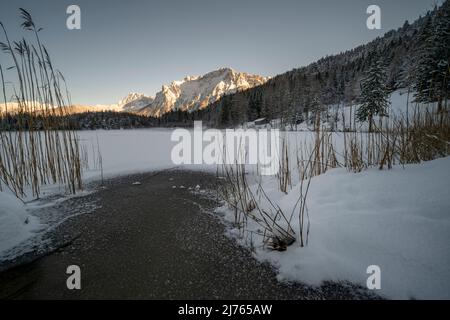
(32, 152)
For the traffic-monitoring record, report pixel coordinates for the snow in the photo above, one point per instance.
(397, 219)
(126, 151)
(334, 116)
(134, 101)
(16, 224)
(196, 92)
(122, 152)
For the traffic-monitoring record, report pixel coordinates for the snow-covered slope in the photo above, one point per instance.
(13, 107)
(340, 117)
(193, 93)
(94, 108)
(133, 102)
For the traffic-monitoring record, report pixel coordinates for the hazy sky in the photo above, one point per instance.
(137, 45)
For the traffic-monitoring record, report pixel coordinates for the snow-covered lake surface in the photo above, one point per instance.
(126, 151)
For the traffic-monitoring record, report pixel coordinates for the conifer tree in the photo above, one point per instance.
(433, 68)
(374, 94)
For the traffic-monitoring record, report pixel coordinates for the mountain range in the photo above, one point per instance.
(190, 94)
(193, 93)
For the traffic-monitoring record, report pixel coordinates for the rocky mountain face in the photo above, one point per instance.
(195, 93)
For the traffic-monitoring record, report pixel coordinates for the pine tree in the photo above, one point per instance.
(441, 73)
(432, 71)
(374, 94)
(316, 108)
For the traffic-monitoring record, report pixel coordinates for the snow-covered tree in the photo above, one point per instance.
(374, 94)
(433, 68)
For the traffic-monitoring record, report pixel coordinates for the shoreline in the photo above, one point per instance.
(151, 241)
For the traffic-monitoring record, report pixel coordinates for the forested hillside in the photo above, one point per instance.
(415, 56)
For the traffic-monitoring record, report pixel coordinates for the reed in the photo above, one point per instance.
(244, 200)
(33, 154)
(423, 136)
(284, 171)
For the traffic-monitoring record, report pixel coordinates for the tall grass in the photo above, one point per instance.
(424, 135)
(276, 229)
(284, 171)
(35, 154)
(398, 140)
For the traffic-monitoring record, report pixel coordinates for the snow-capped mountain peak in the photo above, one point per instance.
(134, 102)
(196, 92)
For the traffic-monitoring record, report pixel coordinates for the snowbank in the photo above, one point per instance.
(397, 219)
(16, 224)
